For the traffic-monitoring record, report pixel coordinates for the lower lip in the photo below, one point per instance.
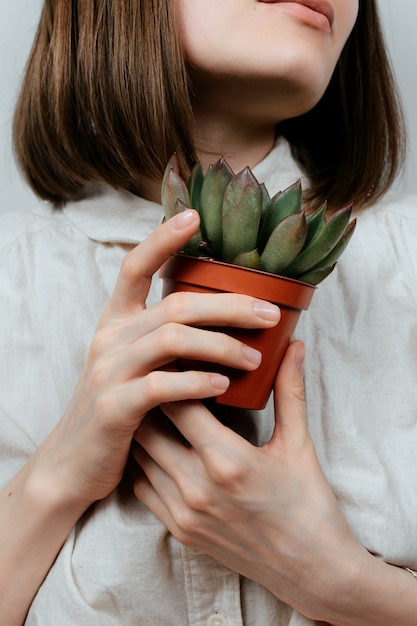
(303, 13)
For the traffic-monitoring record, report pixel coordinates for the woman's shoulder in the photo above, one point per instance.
(400, 208)
(384, 240)
(390, 224)
(21, 224)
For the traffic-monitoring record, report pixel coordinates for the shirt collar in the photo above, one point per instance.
(116, 216)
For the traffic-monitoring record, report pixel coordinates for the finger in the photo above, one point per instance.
(289, 394)
(123, 408)
(144, 260)
(205, 433)
(161, 441)
(146, 493)
(175, 472)
(173, 341)
(215, 309)
(202, 310)
(215, 454)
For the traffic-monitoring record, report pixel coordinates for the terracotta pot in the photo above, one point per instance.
(249, 390)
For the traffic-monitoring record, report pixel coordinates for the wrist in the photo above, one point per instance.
(35, 520)
(370, 592)
(48, 487)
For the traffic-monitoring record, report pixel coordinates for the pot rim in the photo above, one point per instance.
(198, 270)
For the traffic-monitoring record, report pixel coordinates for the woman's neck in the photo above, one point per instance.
(239, 145)
(241, 141)
(236, 127)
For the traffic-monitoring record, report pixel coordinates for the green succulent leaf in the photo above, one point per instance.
(284, 243)
(171, 165)
(318, 249)
(315, 276)
(242, 209)
(340, 247)
(193, 245)
(315, 223)
(266, 198)
(282, 204)
(194, 185)
(249, 259)
(214, 184)
(241, 224)
(173, 189)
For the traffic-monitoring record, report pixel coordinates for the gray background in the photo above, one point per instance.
(18, 21)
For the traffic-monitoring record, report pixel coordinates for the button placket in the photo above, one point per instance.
(212, 590)
(217, 620)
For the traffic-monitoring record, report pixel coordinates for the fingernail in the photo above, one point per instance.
(266, 310)
(220, 382)
(182, 220)
(252, 355)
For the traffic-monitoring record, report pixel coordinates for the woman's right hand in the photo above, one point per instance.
(127, 373)
(124, 376)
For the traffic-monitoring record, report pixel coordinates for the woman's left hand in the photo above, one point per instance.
(266, 512)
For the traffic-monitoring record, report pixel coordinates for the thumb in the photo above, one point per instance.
(289, 394)
(141, 263)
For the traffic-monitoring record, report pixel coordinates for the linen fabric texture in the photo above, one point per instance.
(120, 566)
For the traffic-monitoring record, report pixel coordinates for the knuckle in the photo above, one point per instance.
(184, 519)
(140, 489)
(128, 266)
(101, 342)
(105, 409)
(223, 345)
(170, 337)
(186, 535)
(228, 472)
(177, 306)
(236, 303)
(98, 344)
(295, 390)
(195, 499)
(299, 392)
(99, 376)
(198, 383)
(155, 388)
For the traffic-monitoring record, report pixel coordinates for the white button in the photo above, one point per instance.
(217, 620)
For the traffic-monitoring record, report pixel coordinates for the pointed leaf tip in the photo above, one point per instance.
(173, 189)
(249, 259)
(284, 243)
(212, 191)
(322, 244)
(241, 213)
(173, 163)
(283, 203)
(194, 185)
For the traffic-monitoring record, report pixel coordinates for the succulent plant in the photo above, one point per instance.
(242, 225)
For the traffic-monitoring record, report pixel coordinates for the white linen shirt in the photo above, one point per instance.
(120, 566)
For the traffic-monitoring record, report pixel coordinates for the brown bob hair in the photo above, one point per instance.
(106, 97)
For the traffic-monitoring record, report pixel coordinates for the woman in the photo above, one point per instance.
(106, 516)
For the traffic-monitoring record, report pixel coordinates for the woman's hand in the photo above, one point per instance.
(126, 373)
(267, 513)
